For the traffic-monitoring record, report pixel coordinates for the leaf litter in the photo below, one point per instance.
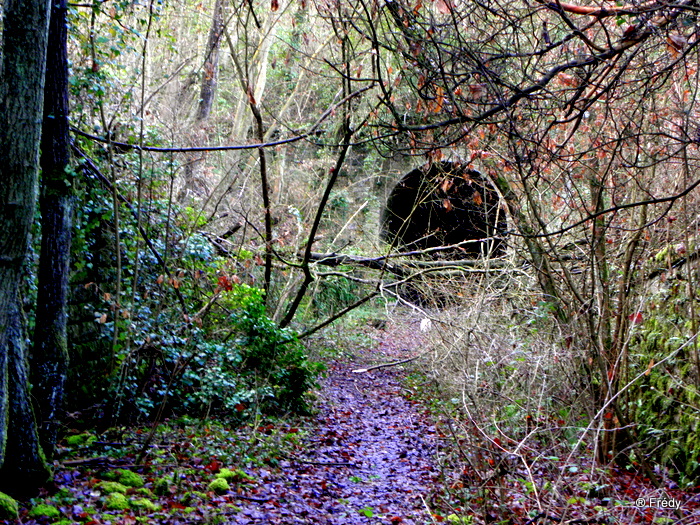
(365, 457)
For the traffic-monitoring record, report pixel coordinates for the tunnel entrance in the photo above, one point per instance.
(444, 204)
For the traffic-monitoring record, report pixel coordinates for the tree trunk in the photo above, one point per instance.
(193, 183)
(25, 468)
(50, 355)
(21, 100)
(211, 64)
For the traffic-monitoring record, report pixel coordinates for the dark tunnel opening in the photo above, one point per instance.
(445, 204)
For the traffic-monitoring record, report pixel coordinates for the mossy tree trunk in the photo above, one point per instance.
(50, 353)
(21, 101)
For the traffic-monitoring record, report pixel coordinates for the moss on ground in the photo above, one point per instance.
(130, 479)
(44, 511)
(219, 485)
(109, 487)
(145, 504)
(234, 476)
(9, 508)
(116, 501)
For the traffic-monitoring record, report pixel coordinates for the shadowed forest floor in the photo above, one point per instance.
(364, 457)
(370, 454)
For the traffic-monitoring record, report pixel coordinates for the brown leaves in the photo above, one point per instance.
(274, 5)
(567, 80)
(439, 100)
(477, 90)
(446, 185)
(676, 43)
(444, 6)
(434, 155)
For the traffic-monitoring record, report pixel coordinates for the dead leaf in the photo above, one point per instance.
(446, 185)
(439, 100)
(477, 90)
(444, 7)
(648, 370)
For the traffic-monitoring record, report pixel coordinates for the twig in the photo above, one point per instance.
(324, 463)
(251, 498)
(385, 365)
(86, 461)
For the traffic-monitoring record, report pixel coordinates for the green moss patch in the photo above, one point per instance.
(9, 509)
(44, 511)
(109, 487)
(145, 504)
(234, 476)
(219, 485)
(117, 501)
(162, 486)
(81, 440)
(130, 479)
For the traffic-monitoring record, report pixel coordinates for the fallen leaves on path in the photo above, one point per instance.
(365, 457)
(368, 460)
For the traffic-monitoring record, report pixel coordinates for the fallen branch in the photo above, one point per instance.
(251, 498)
(386, 365)
(101, 460)
(322, 463)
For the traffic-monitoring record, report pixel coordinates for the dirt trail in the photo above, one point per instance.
(369, 459)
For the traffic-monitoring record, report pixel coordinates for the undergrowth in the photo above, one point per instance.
(517, 428)
(179, 478)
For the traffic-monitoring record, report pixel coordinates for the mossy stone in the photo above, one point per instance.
(109, 487)
(219, 485)
(44, 511)
(80, 440)
(130, 479)
(117, 501)
(234, 476)
(145, 504)
(9, 508)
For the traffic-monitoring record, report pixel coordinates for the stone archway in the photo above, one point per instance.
(443, 204)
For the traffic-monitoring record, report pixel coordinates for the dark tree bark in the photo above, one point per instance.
(50, 355)
(21, 101)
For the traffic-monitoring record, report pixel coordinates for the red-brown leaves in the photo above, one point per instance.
(444, 6)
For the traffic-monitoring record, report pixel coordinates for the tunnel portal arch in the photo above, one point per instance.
(443, 204)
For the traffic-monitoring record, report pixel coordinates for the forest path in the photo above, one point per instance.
(369, 456)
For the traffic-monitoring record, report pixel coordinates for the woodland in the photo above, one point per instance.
(359, 261)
